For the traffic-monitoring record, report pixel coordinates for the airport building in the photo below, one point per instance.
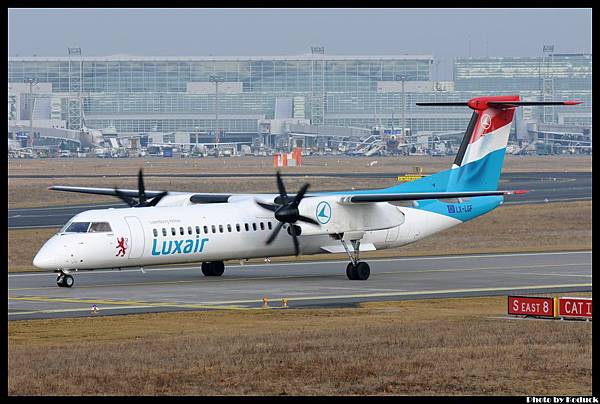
(235, 96)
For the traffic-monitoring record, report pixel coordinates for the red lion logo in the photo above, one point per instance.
(121, 246)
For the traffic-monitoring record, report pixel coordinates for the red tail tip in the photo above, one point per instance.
(573, 102)
(520, 191)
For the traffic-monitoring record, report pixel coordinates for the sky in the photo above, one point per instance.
(443, 33)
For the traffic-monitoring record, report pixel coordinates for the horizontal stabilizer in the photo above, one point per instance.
(495, 102)
(443, 104)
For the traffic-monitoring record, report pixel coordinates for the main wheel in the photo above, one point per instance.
(68, 281)
(218, 268)
(362, 271)
(351, 272)
(213, 268)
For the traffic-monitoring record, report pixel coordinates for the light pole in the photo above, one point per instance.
(402, 78)
(215, 78)
(32, 82)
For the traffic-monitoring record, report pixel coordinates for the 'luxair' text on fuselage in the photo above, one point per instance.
(172, 247)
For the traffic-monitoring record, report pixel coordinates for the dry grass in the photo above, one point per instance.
(430, 347)
(520, 228)
(310, 164)
(20, 190)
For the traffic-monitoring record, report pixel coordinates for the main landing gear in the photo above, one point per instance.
(64, 280)
(213, 268)
(356, 270)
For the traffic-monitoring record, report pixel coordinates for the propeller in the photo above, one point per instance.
(142, 201)
(286, 211)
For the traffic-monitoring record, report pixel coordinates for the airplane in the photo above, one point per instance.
(163, 227)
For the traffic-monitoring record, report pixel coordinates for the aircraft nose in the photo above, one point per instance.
(48, 256)
(43, 260)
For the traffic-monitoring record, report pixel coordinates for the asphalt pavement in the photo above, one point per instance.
(304, 284)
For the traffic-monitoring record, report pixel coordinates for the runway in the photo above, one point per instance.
(304, 284)
(543, 187)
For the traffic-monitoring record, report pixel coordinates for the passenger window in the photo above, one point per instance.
(205, 229)
(246, 227)
(237, 227)
(254, 226)
(214, 229)
(173, 232)
(155, 232)
(220, 228)
(181, 231)
(189, 229)
(164, 232)
(78, 227)
(100, 227)
(197, 229)
(262, 226)
(269, 225)
(229, 228)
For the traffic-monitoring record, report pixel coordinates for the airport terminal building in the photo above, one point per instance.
(138, 95)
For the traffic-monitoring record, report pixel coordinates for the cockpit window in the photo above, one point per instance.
(78, 227)
(98, 227)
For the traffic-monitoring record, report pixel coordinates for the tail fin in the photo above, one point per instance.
(478, 164)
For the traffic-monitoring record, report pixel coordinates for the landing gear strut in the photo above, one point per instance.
(356, 270)
(64, 280)
(213, 268)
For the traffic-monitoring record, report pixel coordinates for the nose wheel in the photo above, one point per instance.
(64, 280)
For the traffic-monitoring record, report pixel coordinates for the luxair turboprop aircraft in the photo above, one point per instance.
(175, 227)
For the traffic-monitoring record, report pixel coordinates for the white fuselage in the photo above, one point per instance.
(210, 232)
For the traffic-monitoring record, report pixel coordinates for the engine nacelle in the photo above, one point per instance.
(335, 217)
(176, 200)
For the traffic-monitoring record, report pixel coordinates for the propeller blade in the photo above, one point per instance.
(281, 188)
(275, 233)
(267, 206)
(154, 201)
(296, 243)
(141, 188)
(308, 220)
(127, 199)
(301, 193)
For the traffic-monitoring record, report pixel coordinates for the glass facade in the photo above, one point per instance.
(570, 72)
(164, 94)
(139, 75)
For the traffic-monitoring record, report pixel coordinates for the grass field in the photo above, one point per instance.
(420, 347)
(517, 228)
(20, 190)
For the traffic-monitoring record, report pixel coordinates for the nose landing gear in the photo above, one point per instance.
(64, 280)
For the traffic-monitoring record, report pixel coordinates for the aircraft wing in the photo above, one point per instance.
(102, 191)
(417, 196)
(194, 197)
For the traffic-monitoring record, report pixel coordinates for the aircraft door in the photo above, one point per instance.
(137, 240)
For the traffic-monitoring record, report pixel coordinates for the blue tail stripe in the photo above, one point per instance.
(480, 175)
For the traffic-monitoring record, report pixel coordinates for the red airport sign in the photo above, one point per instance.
(580, 307)
(531, 306)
